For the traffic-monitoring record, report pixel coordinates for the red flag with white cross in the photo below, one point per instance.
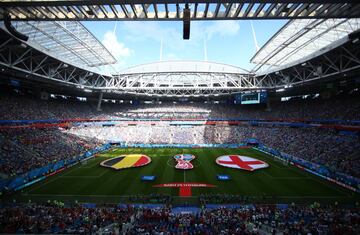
(241, 162)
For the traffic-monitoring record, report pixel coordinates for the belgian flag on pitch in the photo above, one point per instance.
(127, 161)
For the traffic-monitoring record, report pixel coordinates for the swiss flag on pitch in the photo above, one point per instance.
(241, 162)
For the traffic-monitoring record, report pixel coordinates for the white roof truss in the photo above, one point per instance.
(302, 38)
(67, 39)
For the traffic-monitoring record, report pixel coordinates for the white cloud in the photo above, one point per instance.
(174, 47)
(117, 48)
(223, 28)
(144, 31)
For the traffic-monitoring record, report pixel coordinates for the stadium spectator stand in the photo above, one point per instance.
(37, 147)
(25, 149)
(247, 219)
(21, 105)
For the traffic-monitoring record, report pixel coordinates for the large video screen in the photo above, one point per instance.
(251, 98)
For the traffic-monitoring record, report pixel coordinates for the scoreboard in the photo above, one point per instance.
(251, 98)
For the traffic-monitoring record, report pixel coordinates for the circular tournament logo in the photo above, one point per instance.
(184, 161)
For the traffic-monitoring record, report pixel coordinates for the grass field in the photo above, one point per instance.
(279, 183)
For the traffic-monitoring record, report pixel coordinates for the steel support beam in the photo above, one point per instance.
(117, 10)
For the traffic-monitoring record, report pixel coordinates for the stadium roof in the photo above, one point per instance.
(302, 38)
(173, 9)
(184, 67)
(67, 40)
(181, 78)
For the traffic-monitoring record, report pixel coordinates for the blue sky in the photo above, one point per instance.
(229, 42)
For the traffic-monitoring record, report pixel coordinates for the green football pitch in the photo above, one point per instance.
(279, 183)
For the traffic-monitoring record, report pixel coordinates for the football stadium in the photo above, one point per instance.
(180, 117)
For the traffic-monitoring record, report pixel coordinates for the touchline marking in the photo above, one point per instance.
(61, 175)
(88, 165)
(83, 176)
(285, 177)
(307, 174)
(55, 177)
(328, 184)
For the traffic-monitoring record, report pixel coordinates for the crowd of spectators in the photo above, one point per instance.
(223, 198)
(22, 150)
(19, 105)
(246, 219)
(22, 106)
